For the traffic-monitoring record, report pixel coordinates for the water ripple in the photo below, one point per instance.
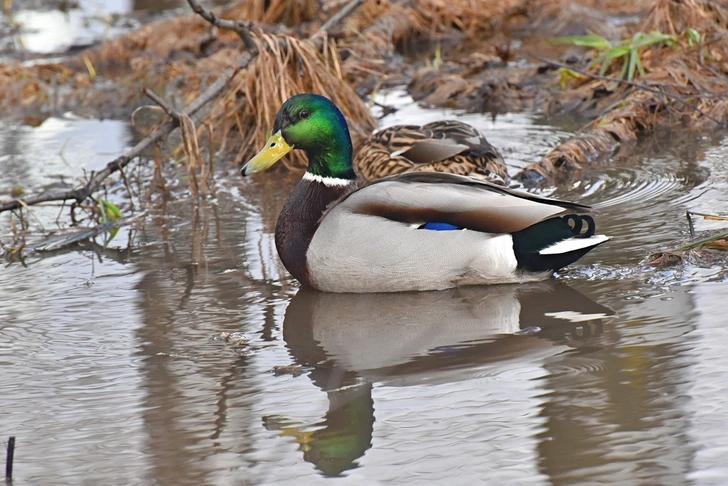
(643, 185)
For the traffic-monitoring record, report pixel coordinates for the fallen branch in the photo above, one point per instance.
(338, 16)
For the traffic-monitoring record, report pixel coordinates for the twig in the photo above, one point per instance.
(240, 28)
(338, 16)
(691, 226)
(713, 217)
(165, 106)
(9, 461)
(702, 241)
(633, 84)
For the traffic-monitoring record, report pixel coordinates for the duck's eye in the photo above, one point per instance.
(303, 114)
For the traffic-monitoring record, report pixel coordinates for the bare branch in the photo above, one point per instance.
(165, 106)
(338, 16)
(240, 28)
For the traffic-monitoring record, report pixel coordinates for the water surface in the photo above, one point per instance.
(115, 369)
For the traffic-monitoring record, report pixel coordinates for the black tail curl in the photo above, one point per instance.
(578, 223)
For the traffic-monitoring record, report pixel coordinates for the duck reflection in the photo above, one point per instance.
(350, 341)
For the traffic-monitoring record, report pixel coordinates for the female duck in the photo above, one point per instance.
(412, 231)
(442, 146)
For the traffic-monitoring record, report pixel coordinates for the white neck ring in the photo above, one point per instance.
(327, 181)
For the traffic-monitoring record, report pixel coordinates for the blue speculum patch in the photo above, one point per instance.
(437, 226)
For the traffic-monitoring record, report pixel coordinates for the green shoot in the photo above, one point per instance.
(109, 211)
(627, 51)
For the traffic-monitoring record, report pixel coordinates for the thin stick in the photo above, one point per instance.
(633, 84)
(165, 106)
(701, 241)
(240, 28)
(338, 16)
(713, 217)
(9, 461)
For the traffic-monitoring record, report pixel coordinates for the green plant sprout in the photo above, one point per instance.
(627, 50)
(109, 212)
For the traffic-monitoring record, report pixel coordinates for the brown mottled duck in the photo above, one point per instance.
(441, 146)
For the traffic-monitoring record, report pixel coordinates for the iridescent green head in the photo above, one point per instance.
(314, 124)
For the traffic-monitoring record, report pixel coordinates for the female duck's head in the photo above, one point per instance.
(314, 124)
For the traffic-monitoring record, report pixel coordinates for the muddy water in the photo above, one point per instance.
(114, 370)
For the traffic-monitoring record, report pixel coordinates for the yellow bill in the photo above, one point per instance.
(274, 150)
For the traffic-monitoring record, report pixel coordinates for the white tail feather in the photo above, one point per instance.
(573, 244)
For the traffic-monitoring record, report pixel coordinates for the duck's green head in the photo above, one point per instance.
(314, 124)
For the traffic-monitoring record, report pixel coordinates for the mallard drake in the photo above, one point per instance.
(443, 146)
(408, 232)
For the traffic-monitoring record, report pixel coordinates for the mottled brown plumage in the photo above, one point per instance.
(442, 146)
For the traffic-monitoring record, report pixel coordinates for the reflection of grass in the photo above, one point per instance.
(628, 50)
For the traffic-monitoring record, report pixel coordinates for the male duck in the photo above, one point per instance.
(411, 231)
(442, 146)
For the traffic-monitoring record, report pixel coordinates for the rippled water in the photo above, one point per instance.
(116, 369)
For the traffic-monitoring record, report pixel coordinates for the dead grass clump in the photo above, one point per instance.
(21, 85)
(285, 66)
(498, 89)
(157, 56)
(287, 12)
(472, 17)
(375, 33)
(160, 40)
(437, 88)
(380, 25)
(672, 17)
(598, 139)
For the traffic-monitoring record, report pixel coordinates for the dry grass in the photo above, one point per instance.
(287, 12)
(284, 67)
(167, 57)
(475, 18)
